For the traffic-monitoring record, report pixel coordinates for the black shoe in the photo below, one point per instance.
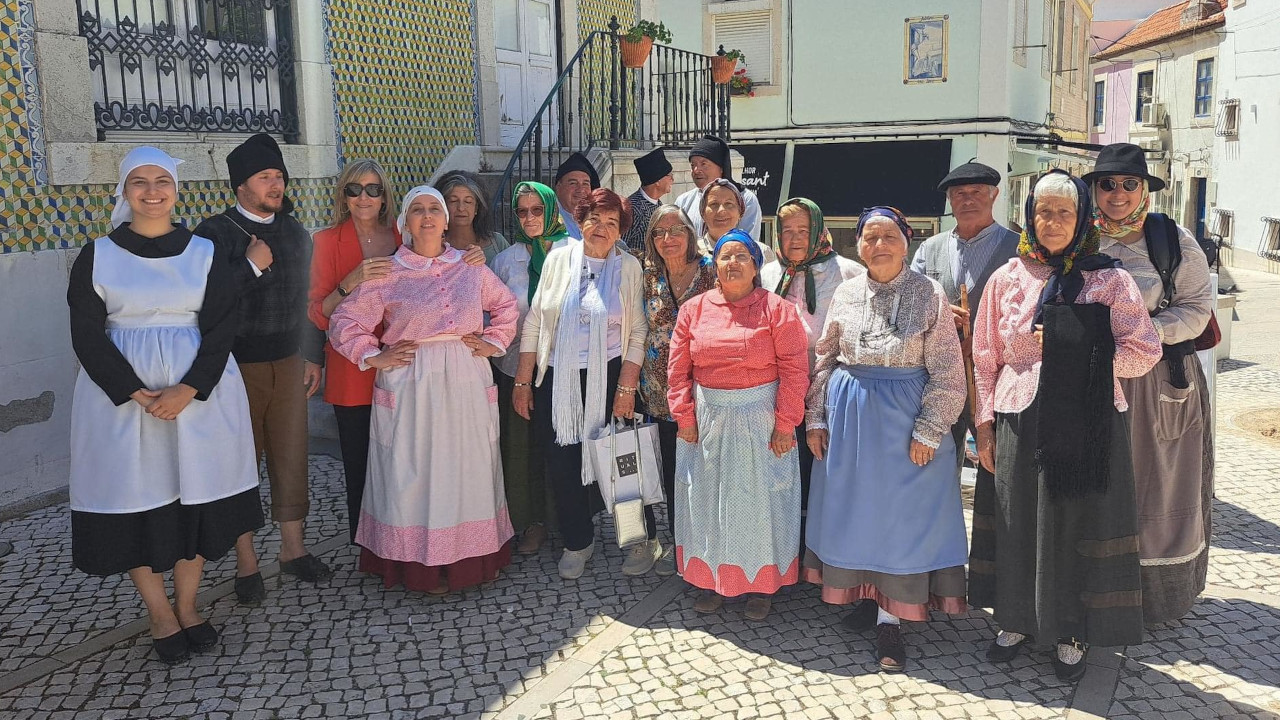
(998, 653)
(250, 591)
(173, 649)
(201, 637)
(863, 616)
(308, 568)
(1071, 672)
(890, 650)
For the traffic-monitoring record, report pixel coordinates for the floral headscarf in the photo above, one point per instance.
(820, 251)
(1132, 223)
(1082, 254)
(553, 230)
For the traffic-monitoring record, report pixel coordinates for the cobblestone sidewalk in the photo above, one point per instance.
(530, 645)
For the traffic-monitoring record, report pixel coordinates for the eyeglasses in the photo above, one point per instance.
(719, 207)
(530, 212)
(743, 258)
(678, 231)
(353, 190)
(1129, 184)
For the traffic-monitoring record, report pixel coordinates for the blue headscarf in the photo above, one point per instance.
(885, 211)
(741, 236)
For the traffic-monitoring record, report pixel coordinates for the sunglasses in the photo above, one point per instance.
(353, 190)
(1110, 184)
(528, 212)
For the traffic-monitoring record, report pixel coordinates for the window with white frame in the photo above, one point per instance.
(1099, 102)
(1204, 87)
(1020, 32)
(751, 33)
(1145, 95)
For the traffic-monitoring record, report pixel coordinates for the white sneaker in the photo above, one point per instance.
(641, 556)
(574, 562)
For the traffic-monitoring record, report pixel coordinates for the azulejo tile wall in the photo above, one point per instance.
(37, 216)
(404, 82)
(595, 14)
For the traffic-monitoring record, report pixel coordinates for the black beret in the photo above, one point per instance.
(970, 173)
(715, 150)
(258, 153)
(578, 162)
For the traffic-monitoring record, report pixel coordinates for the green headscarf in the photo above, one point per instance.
(820, 251)
(553, 230)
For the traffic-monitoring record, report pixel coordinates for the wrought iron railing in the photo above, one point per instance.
(210, 66)
(670, 101)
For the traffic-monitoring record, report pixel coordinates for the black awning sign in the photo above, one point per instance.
(762, 173)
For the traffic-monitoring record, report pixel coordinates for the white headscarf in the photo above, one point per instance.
(409, 197)
(139, 157)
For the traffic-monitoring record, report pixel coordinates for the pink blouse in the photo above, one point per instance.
(1006, 354)
(736, 345)
(423, 298)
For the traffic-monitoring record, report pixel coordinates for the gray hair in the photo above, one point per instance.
(651, 256)
(482, 223)
(1056, 185)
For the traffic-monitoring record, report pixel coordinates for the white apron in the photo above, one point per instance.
(124, 460)
(434, 493)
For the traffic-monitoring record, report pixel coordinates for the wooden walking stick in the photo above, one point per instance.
(966, 351)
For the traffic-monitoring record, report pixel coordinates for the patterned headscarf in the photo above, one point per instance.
(553, 230)
(1082, 254)
(1132, 223)
(885, 211)
(820, 251)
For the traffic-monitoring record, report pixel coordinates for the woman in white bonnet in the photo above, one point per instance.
(162, 472)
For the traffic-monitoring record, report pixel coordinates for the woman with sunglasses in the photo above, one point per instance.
(357, 247)
(1168, 407)
(538, 230)
(885, 520)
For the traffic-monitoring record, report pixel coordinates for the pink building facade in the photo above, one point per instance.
(1119, 106)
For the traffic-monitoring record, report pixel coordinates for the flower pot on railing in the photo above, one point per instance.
(635, 52)
(722, 68)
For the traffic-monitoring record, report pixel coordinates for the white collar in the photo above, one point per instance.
(412, 260)
(652, 201)
(256, 218)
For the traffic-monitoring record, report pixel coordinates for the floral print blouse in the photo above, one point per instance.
(904, 323)
(661, 307)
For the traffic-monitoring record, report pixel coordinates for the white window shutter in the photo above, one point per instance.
(751, 33)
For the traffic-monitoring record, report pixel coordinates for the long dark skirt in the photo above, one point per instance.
(111, 543)
(1173, 473)
(1064, 568)
(522, 464)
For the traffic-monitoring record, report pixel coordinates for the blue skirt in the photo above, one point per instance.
(870, 507)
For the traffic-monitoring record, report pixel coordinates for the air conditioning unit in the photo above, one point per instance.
(1153, 114)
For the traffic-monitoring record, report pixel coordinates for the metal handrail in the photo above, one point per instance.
(671, 101)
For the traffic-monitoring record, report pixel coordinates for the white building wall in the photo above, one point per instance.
(1245, 166)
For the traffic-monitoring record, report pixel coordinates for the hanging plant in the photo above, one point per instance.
(638, 41)
(722, 66)
(740, 83)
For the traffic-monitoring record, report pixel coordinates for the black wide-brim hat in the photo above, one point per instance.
(1123, 159)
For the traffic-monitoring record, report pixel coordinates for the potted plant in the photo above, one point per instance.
(637, 42)
(740, 83)
(722, 65)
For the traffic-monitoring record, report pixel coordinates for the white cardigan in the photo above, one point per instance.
(539, 330)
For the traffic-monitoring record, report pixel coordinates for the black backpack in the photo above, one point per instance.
(1164, 247)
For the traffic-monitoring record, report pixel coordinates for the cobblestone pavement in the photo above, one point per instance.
(530, 645)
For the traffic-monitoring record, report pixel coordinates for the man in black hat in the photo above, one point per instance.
(655, 181)
(277, 348)
(575, 179)
(708, 160)
(968, 253)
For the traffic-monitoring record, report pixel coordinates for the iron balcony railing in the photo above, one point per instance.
(209, 66)
(670, 101)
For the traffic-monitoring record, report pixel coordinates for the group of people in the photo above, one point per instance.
(812, 411)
